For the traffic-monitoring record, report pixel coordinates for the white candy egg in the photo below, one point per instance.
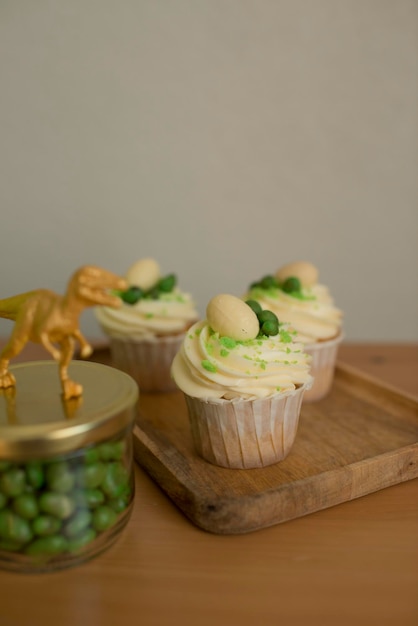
(231, 317)
(145, 273)
(305, 271)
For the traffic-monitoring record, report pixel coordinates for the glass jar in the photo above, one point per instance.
(66, 466)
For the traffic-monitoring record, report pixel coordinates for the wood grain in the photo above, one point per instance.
(394, 364)
(361, 438)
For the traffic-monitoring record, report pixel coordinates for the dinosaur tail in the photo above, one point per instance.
(9, 307)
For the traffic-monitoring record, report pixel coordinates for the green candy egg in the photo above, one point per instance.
(103, 518)
(26, 505)
(59, 477)
(90, 475)
(13, 482)
(81, 540)
(58, 504)
(116, 480)
(47, 546)
(78, 522)
(291, 284)
(14, 528)
(45, 525)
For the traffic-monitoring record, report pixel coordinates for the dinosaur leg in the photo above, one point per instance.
(18, 339)
(85, 347)
(70, 389)
(49, 346)
(13, 347)
(6, 378)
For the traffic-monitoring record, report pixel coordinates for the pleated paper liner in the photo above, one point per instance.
(245, 434)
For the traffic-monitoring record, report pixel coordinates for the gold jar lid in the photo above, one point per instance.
(36, 422)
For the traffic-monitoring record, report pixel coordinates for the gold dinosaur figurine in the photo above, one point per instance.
(45, 317)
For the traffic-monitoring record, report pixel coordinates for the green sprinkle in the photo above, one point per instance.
(198, 331)
(285, 336)
(302, 296)
(278, 388)
(207, 365)
(172, 296)
(209, 348)
(263, 365)
(224, 352)
(258, 293)
(149, 315)
(248, 343)
(228, 342)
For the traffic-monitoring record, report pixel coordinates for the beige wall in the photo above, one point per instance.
(222, 137)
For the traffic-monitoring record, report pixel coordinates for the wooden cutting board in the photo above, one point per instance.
(361, 438)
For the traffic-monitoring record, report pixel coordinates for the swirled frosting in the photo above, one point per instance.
(211, 366)
(311, 313)
(172, 313)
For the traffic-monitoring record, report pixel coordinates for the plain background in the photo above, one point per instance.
(222, 137)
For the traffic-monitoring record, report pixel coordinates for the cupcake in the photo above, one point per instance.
(147, 330)
(243, 379)
(295, 296)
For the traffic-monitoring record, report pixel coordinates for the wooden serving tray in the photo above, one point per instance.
(362, 438)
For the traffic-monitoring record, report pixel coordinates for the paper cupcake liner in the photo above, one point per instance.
(324, 357)
(245, 434)
(148, 361)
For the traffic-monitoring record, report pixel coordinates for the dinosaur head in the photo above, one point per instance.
(94, 285)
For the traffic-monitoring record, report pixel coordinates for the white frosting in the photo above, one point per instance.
(212, 367)
(171, 314)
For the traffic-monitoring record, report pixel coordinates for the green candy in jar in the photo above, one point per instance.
(45, 525)
(90, 476)
(54, 544)
(88, 498)
(58, 504)
(103, 518)
(60, 477)
(35, 475)
(79, 522)
(26, 505)
(13, 482)
(116, 481)
(66, 493)
(81, 540)
(3, 500)
(14, 528)
(111, 450)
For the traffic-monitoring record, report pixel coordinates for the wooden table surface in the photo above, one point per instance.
(353, 564)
